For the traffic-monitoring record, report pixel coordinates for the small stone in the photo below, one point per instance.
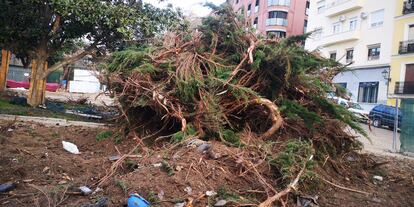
(221, 203)
(85, 190)
(188, 190)
(157, 165)
(204, 147)
(379, 178)
(179, 168)
(350, 159)
(28, 180)
(179, 204)
(10, 130)
(195, 142)
(211, 193)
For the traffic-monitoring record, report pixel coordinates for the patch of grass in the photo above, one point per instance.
(226, 194)
(56, 135)
(167, 168)
(180, 136)
(104, 135)
(121, 184)
(231, 137)
(131, 165)
(292, 158)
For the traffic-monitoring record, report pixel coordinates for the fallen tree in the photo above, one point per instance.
(224, 82)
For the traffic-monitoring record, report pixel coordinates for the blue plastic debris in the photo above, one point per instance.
(7, 187)
(135, 200)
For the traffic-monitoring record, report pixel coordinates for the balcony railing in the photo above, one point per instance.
(276, 22)
(408, 7)
(278, 2)
(406, 47)
(404, 87)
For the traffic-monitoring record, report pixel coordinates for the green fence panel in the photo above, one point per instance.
(407, 125)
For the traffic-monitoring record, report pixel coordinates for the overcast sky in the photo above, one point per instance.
(194, 7)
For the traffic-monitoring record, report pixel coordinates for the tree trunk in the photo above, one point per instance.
(37, 90)
(4, 68)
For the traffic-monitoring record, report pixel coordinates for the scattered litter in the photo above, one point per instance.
(85, 190)
(188, 190)
(214, 155)
(307, 201)
(70, 147)
(179, 204)
(161, 195)
(221, 203)
(28, 180)
(46, 169)
(350, 159)
(379, 178)
(97, 190)
(135, 200)
(195, 142)
(114, 158)
(204, 147)
(211, 193)
(7, 187)
(10, 130)
(157, 165)
(102, 202)
(62, 182)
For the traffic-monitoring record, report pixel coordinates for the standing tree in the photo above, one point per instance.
(41, 29)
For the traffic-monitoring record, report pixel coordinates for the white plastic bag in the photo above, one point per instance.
(70, 147)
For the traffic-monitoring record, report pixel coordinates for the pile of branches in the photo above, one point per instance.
(224, 79)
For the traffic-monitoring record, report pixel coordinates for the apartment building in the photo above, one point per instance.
(402, 70)
(280, 18)
(358, 33)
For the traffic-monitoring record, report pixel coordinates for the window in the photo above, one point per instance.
(342, 85)
(374, 52)
(307, 7)
(321, 6)
(368, 92)
(353, 24)
(349, 55)
(256, 8)
(305, 26)
(317, 35)
(277, 18)
(278, 2)
(237, 1)
(249, 9)
(256, 20)
(332, 55)
(336, 28)
(377, 18)
(276, 34)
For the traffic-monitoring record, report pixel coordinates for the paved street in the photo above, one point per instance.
(381, 140)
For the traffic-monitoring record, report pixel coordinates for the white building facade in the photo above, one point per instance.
(358, 33)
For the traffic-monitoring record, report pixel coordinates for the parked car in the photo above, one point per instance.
(353, 107)
(383, 115)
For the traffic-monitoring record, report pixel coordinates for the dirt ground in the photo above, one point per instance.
(32, 156)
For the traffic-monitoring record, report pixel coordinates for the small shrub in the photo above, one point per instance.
(104, 135)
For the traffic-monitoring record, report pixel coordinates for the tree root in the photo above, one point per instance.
(276, 118)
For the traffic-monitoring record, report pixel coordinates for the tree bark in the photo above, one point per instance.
(37, 90)
(4, 68)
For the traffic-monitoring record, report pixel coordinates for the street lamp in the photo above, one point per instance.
(385, 74)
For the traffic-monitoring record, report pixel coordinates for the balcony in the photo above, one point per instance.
(408, 7)
(278, 3)
(406, 47)
(277, 22)
(339, 38)
(404, 88)
(342, 6)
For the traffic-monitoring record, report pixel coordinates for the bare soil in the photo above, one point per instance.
(46, 175)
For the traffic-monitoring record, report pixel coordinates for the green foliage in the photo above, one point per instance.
(292, 158)
(294, 110)
(167, 168)
(180, 136)
(231, 137)
(104, 135)
(121, 184)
